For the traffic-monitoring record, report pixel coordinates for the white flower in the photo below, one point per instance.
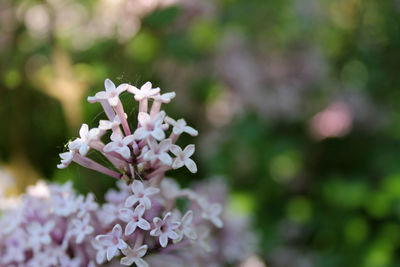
(113, 241)
(85, 206)
(140, 195)
(82, 144)
(165, 229)
(203, 240)
(144, 92)
(180, 127)
(81, 228)
(134, 219)
(120, 144)
(183, 158)
(158, 151)
(170, 188)
(111, 94)
(110, 125)
(66, 159)
(40, 234)
(164, 98)
(109, 213)
(186, 227)
(63, 205)
(150, 126)
(212, 212)
(134, 256)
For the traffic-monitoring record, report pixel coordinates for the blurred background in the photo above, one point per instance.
(296, 103)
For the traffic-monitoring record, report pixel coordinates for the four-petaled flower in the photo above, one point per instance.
(113, 241)
(186, 227)
(81, 228)
(110, 125)
(165, 229)
(66, 159)
(183, 158)
(86, 205)
(211, 212)
(111, 94)
(134, 256)
(140, 195)
(164, 98)
(145, 92)
(180, 126)
(120, 144)
(87, 136)
(158, 151)
(134, 219)
(150, 126)
(40, 234)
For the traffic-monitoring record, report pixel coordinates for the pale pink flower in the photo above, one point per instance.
(109, 213)
(63, 205)
(183, 158)
(186, 228)
(180, 127)
(165, 229)
(105, 125)
(120, 144)
(40, 234)
(150, 126)
(164, 98)
(111, 94)
(170, 188)
(87, 136)
(66, 159)
(113, 241)
(145, 92)
(87, 205)
(134, 219)
(81, 228)
(212, 212)
(134, 256)
(158, 151)
(141, 195)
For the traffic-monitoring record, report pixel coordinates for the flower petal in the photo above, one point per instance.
(141, 251)
(191, 165)
(163, 240)
(130, 227)
(176, 150)
(143, 224)
(151, 191)
(109, 85)
(177, 163)
(158, 134)
(188, 151)
(140, 133)
(130, 201)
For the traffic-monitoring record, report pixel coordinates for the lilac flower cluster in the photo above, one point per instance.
(149, 220)
(142, 217)
(50, 224)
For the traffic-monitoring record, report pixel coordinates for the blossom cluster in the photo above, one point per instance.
(50, 224)
(142, 217)
(55, 226)
(148, 221)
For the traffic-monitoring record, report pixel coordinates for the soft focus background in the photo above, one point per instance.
(296, 102)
